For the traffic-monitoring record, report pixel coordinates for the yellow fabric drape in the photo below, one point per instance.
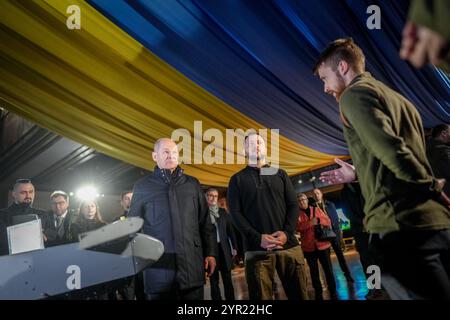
(100, 87)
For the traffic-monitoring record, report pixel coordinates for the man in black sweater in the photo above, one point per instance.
(264, 209)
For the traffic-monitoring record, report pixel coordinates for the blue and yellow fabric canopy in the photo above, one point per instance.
(137, 70)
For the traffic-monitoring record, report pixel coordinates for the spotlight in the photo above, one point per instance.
(87, 193)
(300, 181)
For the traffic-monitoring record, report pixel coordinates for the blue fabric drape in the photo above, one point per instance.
(257, 56)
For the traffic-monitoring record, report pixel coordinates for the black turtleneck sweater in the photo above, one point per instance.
(263, 204)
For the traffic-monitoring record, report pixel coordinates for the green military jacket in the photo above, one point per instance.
(386, 140)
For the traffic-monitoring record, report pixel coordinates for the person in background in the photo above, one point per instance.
(330, 210)
(125, 203)
(89, 219)
(133, 289)
(57, 223)
(315, 251)
(226, 244)
(239, 257)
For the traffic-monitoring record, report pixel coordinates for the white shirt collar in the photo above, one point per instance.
(62, 216)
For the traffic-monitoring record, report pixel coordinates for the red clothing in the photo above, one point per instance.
(305, 227)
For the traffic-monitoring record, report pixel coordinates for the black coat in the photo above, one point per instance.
(226, 235)
(175, 212)
(6, 216)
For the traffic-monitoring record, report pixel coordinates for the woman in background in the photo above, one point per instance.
(89, 218)
(313, 249)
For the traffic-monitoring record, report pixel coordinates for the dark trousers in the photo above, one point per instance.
(336, 244)
(414, 264)
(313, 259)
(139, 291)
(260, 269)
(196, 293)
(225, 272)
(131, 289)
(362, 246)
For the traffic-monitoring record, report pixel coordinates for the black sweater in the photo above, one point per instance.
(263, 204)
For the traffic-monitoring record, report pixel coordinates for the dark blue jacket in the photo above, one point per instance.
(175, 212)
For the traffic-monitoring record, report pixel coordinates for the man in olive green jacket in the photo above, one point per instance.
(406, 211)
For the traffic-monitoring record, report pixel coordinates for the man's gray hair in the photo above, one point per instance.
(58, 193)
(158, 143)
(211, 189)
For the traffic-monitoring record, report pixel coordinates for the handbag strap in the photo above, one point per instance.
(314, 214)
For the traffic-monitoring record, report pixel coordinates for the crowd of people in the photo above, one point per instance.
(398, 207)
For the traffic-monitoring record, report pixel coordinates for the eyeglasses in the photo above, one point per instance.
(23, 181)
(58, 203)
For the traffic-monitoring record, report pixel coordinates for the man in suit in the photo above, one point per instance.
(57, 223)
(125, 203)
(226, 247)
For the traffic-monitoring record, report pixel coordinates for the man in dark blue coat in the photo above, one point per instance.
(175, 212)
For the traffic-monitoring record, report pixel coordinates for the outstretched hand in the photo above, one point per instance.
(345, 174)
